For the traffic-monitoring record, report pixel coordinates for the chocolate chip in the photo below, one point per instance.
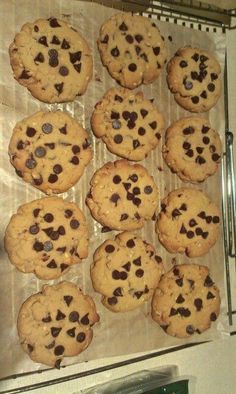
(176, 271)
(43, 40)
(47, 319)
(198, 231)
(65, 44)
(214, 76)
(61, 230)
(188, 130)
(58, 363)
(215, 157)
(71, 332)
(203, 94)
(205, 234)
(215, 219)
(183, 207)
(129, 39)
(138, 294)
(105, 39)
(195, 99)
(74, 57)
(55, 40)
(186, 145)
(85, 319)
(195, 57)
(118, 98)
(116, 179)
(137, 49)
(116, 124)
(200, 160)
(62, 249)
(59, 350)
(188, 84)
(48, 217)
(34, 229)
(74, 224)
(209, 219)
(179, 281)
(198, 303)
(48, 246)
(210, 295)
(190, 330)
(75, 160)
(36, 212)
(133, 177)
(47, 128)
(30, 163)
(136, 190)
(68, 213)
(130, 124)
(109, 248)
(52, 264)
(57, 168)
(190, 234)
(55, 331)
(192, 222)
(173, 312)
(30, 347)
(153, 125)
(20, 145)
(38, 246)
(68, 299)
(194, 75)
(148, 189)
(123, 27)
(163, 207)
(138, 37)
(52, 178)
(189, 153)
(137, 261)
(206, 140)
(132, 67)
(180, 299)
(213, 316)
(36, 29)
(183, 64)
(127, 186)
(40, 151)
(208, 281)
(139, 273)
(114, 197)
(183, 230)
(50, 145)
(38, 181)
(53, 22)
(63, 70)
(81, 337)
(77, 67)
(59, 87)
(118, 139)
(133, 116)
(112, 300)
(137, 201)
(185, 312)
(124, 216)
(63, 267)
(175, 213)
(141, 131)
(74, 316)
(130, 243)
(60, 315)
(202, 215)
(199, 149)
(39, 58)
(118, 292)
(53, 61)
(211, 87)
(48, 230)
(144, 57)
(115, 52)
(115, 115)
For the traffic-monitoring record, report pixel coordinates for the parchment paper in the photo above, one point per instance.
(116, 334)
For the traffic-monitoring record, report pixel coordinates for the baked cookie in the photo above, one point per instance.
(56, 323)
(188, 222)
(132, 49)
(50, 150)
(129, 125)
(52, 60)
(46, 237)
(186, 301)
(125, 271)
(122, 195)
(192, 149)
(193, 76)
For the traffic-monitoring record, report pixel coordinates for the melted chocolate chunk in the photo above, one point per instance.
(214, 76)
(205, 234)
(190, 234)
(198, 231)
(195, 57)
(203, 94)
(206, 140)
(183, 207)
(61, 230)
(192, 222)
(176, 271)
(57, 169)
(118, 98)
(153, 125)
(114, 198)
(63, 267)
(52, 178)
(215, 219)
(189, 153)
(115, 115)
(61, 249)
(156, 50)
(138, 294)
(81, 337)
(109, 248)
(186, 145)
(133, 177)
(55, 40)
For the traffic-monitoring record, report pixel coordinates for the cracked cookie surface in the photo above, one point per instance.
(129, 124)
(125, 271)
(189, 222)
(122, 195)
(50, 150)
(132, 49)
(193, 76)
(46, 237)
(52, 60)
(56, 323)
(186, 301)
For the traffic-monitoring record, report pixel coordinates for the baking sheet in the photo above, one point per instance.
(116, 334)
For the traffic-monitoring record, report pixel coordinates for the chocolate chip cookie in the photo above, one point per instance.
(132, 49)
(188, 222)
(129, 124)
(56, 323)
(186, 301)
(122, 195)
(52, 60)
(50, 150)
(46, 237)
(193, 76)
(192, 149)
(125, 271)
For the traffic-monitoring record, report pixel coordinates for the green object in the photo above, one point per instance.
(180, 387)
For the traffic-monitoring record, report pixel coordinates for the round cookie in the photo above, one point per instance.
(192, 149)
(129, 125)
(125, 271)
(50, 150)
(52, 60)
(193, 76)
(132, 49)
(46, 237)
(122, 195)
(186, 301)
(56, 323)
(188, 222)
